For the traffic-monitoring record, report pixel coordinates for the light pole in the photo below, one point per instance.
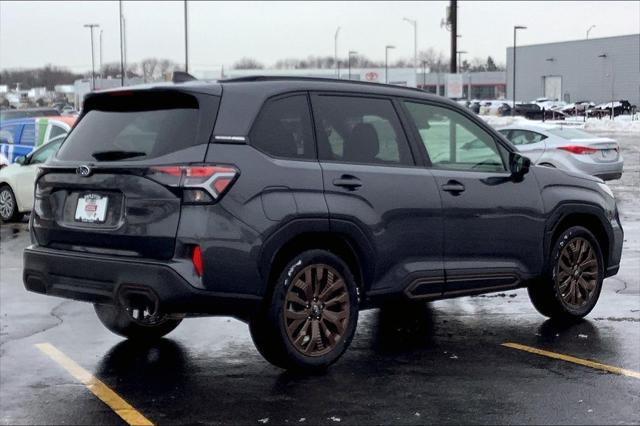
(589, 30)
(351, 52)
(604, 56)
(100, 68)
(424, 74)
(386, 62)
(335, 51)
(93, 67)
(515, 29)
(121, 46)
(186, 40)
(414, 24)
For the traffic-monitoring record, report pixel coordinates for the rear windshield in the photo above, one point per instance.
(570, 133)
(129, 126)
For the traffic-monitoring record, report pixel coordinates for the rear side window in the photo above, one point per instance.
(525, 137)
(283, 128)
(56, 131)
(359, 130)
(133, 126)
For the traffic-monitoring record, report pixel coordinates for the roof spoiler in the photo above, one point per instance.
(181, 77)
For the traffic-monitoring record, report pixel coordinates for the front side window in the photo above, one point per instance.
(359, 130)
(525, 137)
(453, 141)
(283, 128)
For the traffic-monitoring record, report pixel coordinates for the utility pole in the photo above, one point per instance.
(93, 68)
(515, 29)
(453, 20)
(121, 46)
(335, 51)
(386, 62)
(186, 39)
(424, 74)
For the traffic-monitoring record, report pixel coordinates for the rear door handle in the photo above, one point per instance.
(347, 181)
(453, 186)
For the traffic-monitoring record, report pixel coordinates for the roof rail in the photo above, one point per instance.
(251, 78)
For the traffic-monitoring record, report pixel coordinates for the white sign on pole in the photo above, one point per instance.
(455, 86)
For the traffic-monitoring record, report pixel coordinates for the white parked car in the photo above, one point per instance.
(17, 181)
(567, 148)
(494, 107)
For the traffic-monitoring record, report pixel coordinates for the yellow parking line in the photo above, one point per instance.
(573, 359)
(99, 389)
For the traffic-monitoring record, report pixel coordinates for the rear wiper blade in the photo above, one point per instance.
(116, 155)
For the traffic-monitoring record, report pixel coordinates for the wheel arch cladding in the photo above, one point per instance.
(338, 244)
(589, 221)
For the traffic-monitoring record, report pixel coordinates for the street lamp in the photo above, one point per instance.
(100, 54)
(93, 67)
(121, 44)
(589, 30)
(335, 51)
(186, 39)
(414, 24)
(515, 29)
(424, 74)
(386, 62)
(351, 52)
(604, 56)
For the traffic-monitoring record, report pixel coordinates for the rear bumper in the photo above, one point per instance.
(99, 279)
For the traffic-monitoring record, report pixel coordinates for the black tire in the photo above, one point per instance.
(118, 321)
(269, 328)
(8, 205)
(546, 294)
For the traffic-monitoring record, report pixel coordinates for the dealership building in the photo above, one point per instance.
(598, 70)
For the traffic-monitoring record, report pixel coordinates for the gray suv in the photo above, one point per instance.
(293, 203)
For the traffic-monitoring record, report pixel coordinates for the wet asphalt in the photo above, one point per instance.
(441, 363)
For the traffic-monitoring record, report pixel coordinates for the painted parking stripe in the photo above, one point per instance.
(573, 359)
(121, 407)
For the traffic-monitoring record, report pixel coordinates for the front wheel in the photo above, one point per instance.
(574, 278)
(311, 316)
(134, 324)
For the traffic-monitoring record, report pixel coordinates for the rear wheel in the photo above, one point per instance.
(135, 324)
(312, 314)
(574, 280)
(8, 205)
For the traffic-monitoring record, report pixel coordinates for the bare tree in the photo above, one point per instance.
(436, 61)
(247, 64)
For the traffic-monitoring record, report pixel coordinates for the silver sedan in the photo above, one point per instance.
(567, 148)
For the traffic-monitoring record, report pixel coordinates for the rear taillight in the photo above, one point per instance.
(201, 184)
(577, 149)
(196, 258)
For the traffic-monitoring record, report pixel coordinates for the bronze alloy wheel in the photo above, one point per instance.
(316, 310)
(577, 272)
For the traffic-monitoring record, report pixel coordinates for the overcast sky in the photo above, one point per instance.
(36, 33)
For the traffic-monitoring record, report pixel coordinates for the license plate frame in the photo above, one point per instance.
(91, 208)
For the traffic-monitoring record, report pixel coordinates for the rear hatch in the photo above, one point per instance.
(107, 190)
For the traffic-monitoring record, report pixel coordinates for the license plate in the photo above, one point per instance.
(92, 208)
(606, 152)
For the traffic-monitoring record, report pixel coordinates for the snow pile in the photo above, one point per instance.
(622, 123)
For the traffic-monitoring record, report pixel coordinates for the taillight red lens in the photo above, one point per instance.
(577, 149)
(196, 258)
(215, 180)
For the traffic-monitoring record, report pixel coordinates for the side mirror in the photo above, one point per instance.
(519, 164)
(22, 160)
